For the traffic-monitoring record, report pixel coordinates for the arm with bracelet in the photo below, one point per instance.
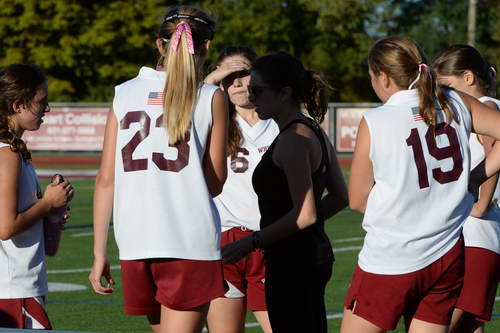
(484, 170)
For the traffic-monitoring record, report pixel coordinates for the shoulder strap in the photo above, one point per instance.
(314, 126)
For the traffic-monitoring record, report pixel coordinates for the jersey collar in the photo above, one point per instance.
(252, 131)
(150, 73)
(402, 96)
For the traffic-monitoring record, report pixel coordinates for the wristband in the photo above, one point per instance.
(476, 178)
(256, 240)
(478, 174)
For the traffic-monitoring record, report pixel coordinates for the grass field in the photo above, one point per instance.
(83, 310)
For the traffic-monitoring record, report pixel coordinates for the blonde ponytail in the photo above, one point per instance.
(181, 90)
(185, 32)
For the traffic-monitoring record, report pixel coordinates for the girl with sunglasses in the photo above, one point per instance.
(23, 275)
(164, 158)
(290, 182)
(249, 138)
(463, 68)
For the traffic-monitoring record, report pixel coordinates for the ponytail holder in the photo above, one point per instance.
(14, 137)
(418, 76)
(183, 26)
(493, 72)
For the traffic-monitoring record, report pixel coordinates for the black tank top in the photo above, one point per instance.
(309, 246)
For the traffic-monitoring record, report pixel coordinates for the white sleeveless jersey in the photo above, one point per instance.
(483, 232)
(483, 99)
(22, 258)
(162, 206)
(416, 208)
(237, 204)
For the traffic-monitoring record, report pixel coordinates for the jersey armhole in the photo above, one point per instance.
(465, 113)
(372, 144)
(211, 104)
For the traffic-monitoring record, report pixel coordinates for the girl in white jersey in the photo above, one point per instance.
(249, 138)
(463, 68)
(23, 276)
(164, 157)
(409, 175)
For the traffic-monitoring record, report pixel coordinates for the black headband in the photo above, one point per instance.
(195, 18)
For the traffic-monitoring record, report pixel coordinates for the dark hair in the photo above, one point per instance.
(281, 70)
(456, 59)
(18, 83)
(234, 131)
(181, 66)
(404, 61)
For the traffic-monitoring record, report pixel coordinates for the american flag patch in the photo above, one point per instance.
(155, 98)
(416, 114)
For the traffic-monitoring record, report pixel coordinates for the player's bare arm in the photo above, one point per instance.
(232, 66)
(12, 222)
(361, 179)
(103, 206)
(214, 164)
(337, 197)
(484, 117)
(487, 189)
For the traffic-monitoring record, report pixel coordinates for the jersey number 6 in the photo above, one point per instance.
(239, 164)
(129, 164)
(439, 153)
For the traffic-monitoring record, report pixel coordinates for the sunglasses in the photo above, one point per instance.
(42, 107)
(256, 91)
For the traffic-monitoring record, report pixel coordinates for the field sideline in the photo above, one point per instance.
(83, 310)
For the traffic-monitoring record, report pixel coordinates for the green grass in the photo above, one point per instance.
(87, 311)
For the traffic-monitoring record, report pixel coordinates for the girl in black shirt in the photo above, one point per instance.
(290, 182)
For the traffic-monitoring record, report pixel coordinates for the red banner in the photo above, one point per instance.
(347, 122)
(69, 128)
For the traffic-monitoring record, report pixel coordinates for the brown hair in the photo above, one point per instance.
(284, 70)
(456, 59)
(18, 83)
(401, 59)
(234, 131)
(182, 68)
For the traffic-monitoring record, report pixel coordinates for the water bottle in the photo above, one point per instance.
(52, 224)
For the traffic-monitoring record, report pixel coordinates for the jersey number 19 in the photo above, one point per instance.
(439, 153)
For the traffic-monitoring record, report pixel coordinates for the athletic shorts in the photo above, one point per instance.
(27, 313)
(177, 284)
(482, 274)
(247, 276)
(428, 294)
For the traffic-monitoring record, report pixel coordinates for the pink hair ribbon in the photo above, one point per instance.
(183, 26)
(418, 76)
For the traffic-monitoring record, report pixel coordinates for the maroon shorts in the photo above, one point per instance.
(428, 294)
(245, 277)
(27, 313)
(482, 274)
(178, 284)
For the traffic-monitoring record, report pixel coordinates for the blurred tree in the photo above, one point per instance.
(436, 25)
(86, 47)
(328, 36)
(341, 43)
(89, 46)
